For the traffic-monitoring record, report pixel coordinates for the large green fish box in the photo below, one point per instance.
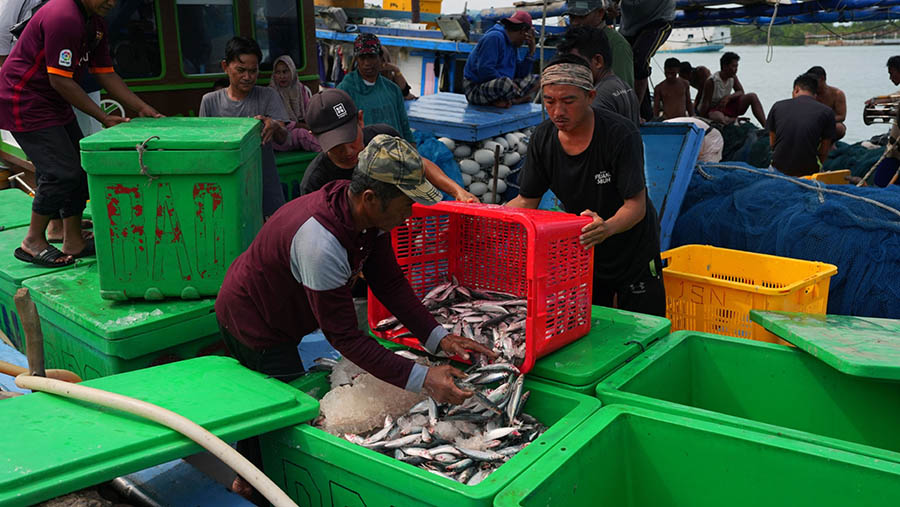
(95, 337)
(174, 201)
(763, 387)
(316, 468)
(616, 337)
(52, 446)
(13, 273)
(15, 209)
(628, 456)
(291, 168)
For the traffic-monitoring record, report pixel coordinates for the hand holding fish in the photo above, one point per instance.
(439, 384)
(455, 345)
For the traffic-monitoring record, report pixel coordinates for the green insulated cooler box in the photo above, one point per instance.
(94, 337)
(174, 200)
(13, 273)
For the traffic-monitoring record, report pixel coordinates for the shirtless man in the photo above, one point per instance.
(673, 94)
(833, 98)
(723, 95)
(697, 77)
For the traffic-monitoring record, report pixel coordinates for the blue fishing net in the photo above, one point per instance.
(733, 208)
(436, 151)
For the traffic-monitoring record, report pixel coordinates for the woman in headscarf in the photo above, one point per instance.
(295, 96)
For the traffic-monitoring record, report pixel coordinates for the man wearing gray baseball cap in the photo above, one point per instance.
(333, 118)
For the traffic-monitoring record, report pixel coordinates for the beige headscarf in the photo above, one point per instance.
(295, 95)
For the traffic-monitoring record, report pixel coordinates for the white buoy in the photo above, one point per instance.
(490, 198)
(502, 171)
(449, 143)
(478, 188)
(467, 179)
(462, 151)
(511, 159)
(502, 142)
(491, 146)
(484, 158)
(469, 166)
(511, 138)
(501, 185)
(479, 176)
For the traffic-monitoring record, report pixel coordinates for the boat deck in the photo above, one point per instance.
(450, 115)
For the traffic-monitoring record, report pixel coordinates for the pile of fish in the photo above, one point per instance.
(494, 319)
(476, 162)
(467, 442)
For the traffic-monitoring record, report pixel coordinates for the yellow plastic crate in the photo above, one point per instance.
(429, 6)
(713, 289)
(830, 177)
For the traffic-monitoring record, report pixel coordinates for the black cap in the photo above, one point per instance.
(331, 116)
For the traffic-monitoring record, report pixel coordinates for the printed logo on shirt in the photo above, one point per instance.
(65, 57)
(99, 34)
(339, 110)
(602, 178)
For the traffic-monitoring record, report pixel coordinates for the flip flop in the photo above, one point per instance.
(46, 258)
(88, 250)
(85, 234)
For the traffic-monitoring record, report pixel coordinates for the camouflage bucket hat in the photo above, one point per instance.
(393, 160)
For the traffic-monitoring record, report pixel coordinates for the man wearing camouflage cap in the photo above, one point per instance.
(379, 97)
(298, 273)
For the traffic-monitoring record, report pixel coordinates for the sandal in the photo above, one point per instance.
(88, 250)
(46, 258)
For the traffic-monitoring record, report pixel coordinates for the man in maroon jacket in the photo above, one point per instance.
(298, 273)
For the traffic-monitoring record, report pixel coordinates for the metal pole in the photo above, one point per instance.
(541, 68)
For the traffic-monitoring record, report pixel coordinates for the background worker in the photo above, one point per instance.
(613, 93)
(832, 97)
(593, 160)
(378, 96)
(334, 120)
(646, 25)
(592, 13)
(672, 97)
(297, 276)
(494, 75)
(38, 87)
(243, 99)
(724, 99)
(801, 130)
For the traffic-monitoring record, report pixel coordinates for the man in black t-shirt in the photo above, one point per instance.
(333, 118)
(801, 130)
(593, 160)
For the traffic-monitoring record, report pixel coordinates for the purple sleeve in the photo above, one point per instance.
(101, 62)
(336, 315)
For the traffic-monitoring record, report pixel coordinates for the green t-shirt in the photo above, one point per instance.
(623, 61)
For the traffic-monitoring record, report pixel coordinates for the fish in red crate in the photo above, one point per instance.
(494, 319)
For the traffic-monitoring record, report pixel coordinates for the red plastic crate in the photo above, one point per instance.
(533, 254)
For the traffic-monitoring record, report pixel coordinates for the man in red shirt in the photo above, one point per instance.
(38, 84)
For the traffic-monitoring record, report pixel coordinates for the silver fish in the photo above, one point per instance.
(403, 441)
